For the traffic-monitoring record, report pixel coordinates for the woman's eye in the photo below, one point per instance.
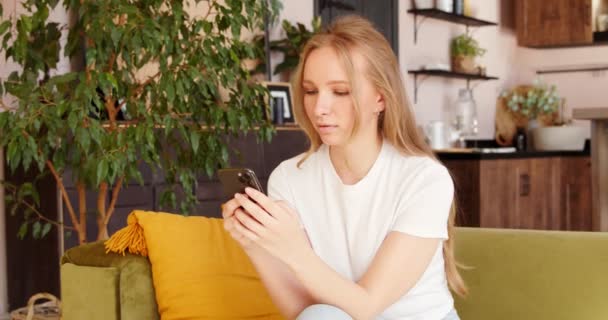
(341, 93)
(310, 91)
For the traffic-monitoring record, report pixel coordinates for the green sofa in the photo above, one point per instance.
(511, 274)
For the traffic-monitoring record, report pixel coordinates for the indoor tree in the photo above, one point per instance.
(157, 84)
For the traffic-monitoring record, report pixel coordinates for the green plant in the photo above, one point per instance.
(291, 45)
(177, 77)
(465, 45)
(532, 101)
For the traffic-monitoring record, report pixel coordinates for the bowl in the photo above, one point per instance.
(558, 138)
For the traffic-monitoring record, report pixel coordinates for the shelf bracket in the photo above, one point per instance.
(417, 26)
(417, 85)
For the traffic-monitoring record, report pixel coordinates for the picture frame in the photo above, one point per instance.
(280, 106)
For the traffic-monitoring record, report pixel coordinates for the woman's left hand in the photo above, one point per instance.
(273, 225)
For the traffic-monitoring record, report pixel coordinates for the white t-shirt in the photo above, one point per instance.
(346, 224)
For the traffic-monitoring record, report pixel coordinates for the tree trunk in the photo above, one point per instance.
(102, 227)
(81, 226)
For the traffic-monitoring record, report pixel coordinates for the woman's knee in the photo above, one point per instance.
(323, 312)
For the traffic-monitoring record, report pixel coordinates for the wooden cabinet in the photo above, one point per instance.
(542, 23)
(550, 193)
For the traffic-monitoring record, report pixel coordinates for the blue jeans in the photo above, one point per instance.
(327, 312)
(323, 312)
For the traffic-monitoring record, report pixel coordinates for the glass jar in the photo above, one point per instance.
(464, 119)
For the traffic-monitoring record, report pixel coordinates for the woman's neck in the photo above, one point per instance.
(353, 161)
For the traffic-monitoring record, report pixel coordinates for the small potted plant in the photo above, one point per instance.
(538, 103)
(464, 49)
(537, 109)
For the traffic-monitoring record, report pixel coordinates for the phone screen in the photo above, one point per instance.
(235, 180)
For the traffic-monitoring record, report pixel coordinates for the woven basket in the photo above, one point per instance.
(50, 310)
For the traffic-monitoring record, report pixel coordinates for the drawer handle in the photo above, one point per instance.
(524, 185)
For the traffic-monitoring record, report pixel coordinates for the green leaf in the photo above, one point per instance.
(36, 229)
(170, 90)
(46, 229)
(4, 26)
(22, 231)
(194, 140)
(102, 170)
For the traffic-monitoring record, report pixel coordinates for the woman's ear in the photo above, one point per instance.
(380, 105)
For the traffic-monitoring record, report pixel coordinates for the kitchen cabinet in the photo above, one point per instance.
(554, 23)
(548, 193)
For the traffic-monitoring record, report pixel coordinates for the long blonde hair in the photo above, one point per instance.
(396, 123)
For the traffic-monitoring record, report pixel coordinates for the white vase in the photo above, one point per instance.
(445, 5)
(559, 138)
(424, 4)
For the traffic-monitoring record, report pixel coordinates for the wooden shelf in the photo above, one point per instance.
(574, 68)
(450, 74)
(451, 17)
(446, 74)
(445, 16)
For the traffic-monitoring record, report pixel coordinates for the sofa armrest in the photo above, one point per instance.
(96, 285)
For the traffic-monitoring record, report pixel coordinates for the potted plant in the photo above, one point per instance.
(537, 109)
(464, 49)
(536, 103)
(151, 62)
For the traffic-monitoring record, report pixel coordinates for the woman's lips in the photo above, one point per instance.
(327, 128)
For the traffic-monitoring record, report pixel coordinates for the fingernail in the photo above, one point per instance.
(237, 195)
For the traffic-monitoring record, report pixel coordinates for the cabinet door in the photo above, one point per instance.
(520, 193)
(541, 209)
(542, 23)
(499, 197)
(465, 174)
(576, 193)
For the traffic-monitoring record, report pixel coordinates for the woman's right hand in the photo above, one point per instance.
(229, 209)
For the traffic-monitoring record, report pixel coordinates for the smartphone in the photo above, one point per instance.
(235, 180)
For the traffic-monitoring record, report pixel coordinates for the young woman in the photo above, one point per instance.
(360, 226)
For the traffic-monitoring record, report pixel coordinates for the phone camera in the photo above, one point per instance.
(243, 178)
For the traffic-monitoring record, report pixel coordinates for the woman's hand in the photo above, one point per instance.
(229, 209)
(272, 225)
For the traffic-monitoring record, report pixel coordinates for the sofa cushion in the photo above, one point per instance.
(135, 293)
(532, 274)
(200, 272)
(77, 302)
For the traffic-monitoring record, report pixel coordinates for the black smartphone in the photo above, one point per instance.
(235, 180)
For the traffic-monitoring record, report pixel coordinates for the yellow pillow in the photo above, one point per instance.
(198, 270)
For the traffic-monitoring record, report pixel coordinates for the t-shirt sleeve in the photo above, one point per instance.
(278, 187)
(425, 204)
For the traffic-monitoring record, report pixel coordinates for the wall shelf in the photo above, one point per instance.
(424, 73)
(575, 68)
(446, 16)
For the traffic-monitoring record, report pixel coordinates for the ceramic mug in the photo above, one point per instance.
(436, 134)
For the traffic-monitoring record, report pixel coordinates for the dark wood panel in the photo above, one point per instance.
(465, 174)
(32, 265)
(499, 201)
(383, 14)
(575, 196)
(542, 23)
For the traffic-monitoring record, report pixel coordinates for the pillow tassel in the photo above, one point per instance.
(130, 237)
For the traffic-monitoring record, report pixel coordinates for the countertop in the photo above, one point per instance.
(468, 154)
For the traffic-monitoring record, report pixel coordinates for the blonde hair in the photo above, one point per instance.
(396, 123)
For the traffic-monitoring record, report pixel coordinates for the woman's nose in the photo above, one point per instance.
(322, 105)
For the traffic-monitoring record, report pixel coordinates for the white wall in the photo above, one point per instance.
(513, 65)
(436, 95)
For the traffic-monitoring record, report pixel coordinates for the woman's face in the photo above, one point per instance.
(328, 98)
